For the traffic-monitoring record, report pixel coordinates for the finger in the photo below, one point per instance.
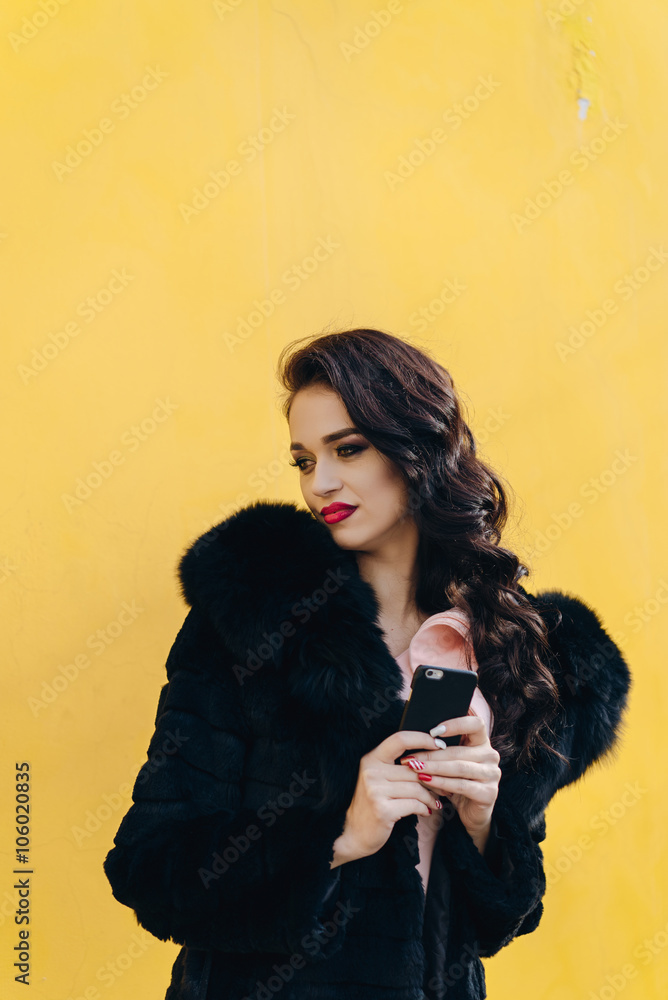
(480, 752)
(471, 726)
(396, 808)
(472, 769)
(411, 790)
(484, 793)
(398, 743)
(416, 806)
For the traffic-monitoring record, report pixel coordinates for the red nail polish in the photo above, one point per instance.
(424, 777)
(429, 810)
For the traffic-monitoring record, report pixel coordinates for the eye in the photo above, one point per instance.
(352, 449)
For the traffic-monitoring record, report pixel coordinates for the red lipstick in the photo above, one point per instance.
(337, 512)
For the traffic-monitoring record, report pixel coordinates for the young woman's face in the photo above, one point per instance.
(347, 470)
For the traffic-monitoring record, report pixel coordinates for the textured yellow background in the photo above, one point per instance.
(520, 243)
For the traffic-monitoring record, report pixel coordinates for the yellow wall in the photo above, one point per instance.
(535, 206)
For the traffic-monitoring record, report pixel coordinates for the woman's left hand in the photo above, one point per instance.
(467, 774)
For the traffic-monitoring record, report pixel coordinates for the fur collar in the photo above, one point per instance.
(273, 570)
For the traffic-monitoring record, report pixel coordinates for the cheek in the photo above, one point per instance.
(378, 481)
(391, 489)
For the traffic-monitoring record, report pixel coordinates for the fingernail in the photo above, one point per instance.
(437, 730)
(424, 777)
(441, 744)
(429, 810)
(438, 804)
(416, 765)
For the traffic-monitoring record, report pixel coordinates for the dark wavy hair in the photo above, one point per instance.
(405, 404)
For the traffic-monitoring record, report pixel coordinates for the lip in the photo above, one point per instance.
(337, 505)
(337, 512)
(339, 515)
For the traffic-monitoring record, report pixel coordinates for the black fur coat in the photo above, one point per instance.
(278, 682)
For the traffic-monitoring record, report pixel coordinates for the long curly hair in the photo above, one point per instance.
(405, 404)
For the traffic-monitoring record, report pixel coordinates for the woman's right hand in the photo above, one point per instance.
(385, 792)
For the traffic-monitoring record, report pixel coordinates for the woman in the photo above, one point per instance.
(279, 831)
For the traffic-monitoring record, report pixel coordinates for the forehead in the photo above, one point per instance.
(316, 406)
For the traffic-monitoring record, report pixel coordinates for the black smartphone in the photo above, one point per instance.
(437, 694)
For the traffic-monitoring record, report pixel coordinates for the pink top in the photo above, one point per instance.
(439, 642)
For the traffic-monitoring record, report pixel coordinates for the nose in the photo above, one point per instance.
(324, 480)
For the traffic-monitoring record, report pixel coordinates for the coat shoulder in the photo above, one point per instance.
(592, 674)
(257, 539)
(248, 572)
(588, 657)
(593, 681)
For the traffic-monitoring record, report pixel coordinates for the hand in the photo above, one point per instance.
(385, 792)
(467, 774)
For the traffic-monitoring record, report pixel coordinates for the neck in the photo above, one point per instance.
(391, 570)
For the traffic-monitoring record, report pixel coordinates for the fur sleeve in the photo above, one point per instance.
(499, 892)
(502, 890)
(194, 864)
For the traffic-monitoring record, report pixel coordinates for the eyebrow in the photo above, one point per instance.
(328, 438)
